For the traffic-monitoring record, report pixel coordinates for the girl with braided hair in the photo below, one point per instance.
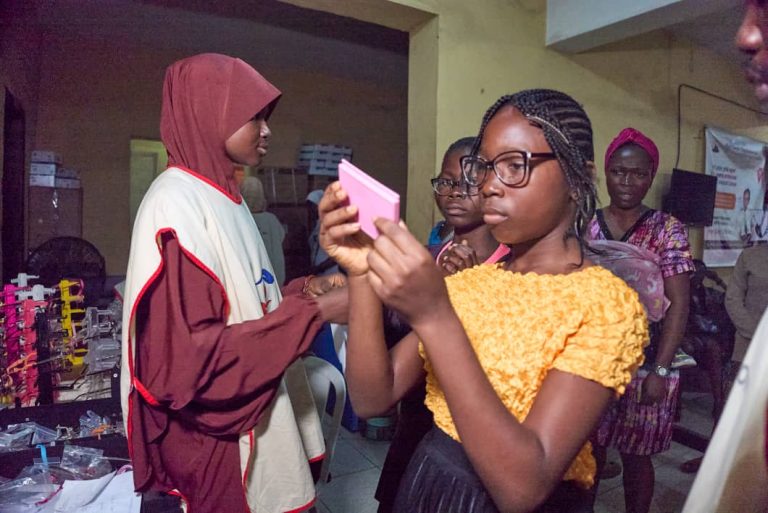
(520, 358)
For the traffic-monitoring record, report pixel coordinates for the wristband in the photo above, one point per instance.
(307, 280)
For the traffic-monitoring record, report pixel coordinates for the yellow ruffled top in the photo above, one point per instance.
(589, 323)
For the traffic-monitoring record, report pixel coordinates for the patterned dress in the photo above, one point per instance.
(656, 231)
(631, 427)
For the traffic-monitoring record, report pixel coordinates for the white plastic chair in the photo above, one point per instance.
(340, 333)
(322, 376)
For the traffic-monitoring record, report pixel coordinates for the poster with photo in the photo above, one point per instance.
(741, 213)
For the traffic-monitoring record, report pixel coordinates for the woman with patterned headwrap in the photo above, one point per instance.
(640, 423)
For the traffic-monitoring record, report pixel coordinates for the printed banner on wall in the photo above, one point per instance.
(741, 213)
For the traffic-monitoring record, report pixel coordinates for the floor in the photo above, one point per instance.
(357, 463)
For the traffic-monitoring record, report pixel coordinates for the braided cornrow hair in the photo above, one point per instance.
(568, 131)
(465, 143)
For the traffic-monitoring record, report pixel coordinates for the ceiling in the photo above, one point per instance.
(715, 31)
(316, 23)
(267, 33)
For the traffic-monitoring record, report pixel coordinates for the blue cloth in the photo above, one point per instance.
(317, 253)
(434, 235)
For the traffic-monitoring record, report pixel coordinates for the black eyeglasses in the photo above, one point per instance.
(444, 187)
(512, 167)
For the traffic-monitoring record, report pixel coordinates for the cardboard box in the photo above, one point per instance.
(37, 168)
(42, 180)
(46, 156)
(54, 181)
(67, 183)
(65, 172)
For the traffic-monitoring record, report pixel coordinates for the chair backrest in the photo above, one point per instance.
(340, 333)
(324, 377)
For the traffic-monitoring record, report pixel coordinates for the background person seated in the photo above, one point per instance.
(747, 296)
(271, 229)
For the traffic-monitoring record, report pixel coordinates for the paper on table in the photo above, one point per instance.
(372, 198)
(109, 494)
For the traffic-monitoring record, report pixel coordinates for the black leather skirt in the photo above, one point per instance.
(440, 479)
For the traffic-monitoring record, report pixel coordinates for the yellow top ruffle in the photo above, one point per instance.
(588, 323)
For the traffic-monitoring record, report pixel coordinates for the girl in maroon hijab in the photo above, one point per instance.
(205, 343)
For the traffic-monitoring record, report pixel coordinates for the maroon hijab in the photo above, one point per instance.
(206, 99)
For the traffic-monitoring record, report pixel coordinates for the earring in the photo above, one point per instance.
(575, 194)
(576, 222)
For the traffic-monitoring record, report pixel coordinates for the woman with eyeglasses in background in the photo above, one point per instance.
(471, 244)
(459, 203)
(520, 358)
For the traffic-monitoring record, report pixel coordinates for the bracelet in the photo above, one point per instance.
(307, 280)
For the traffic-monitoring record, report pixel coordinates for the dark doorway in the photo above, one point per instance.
(13, 188)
